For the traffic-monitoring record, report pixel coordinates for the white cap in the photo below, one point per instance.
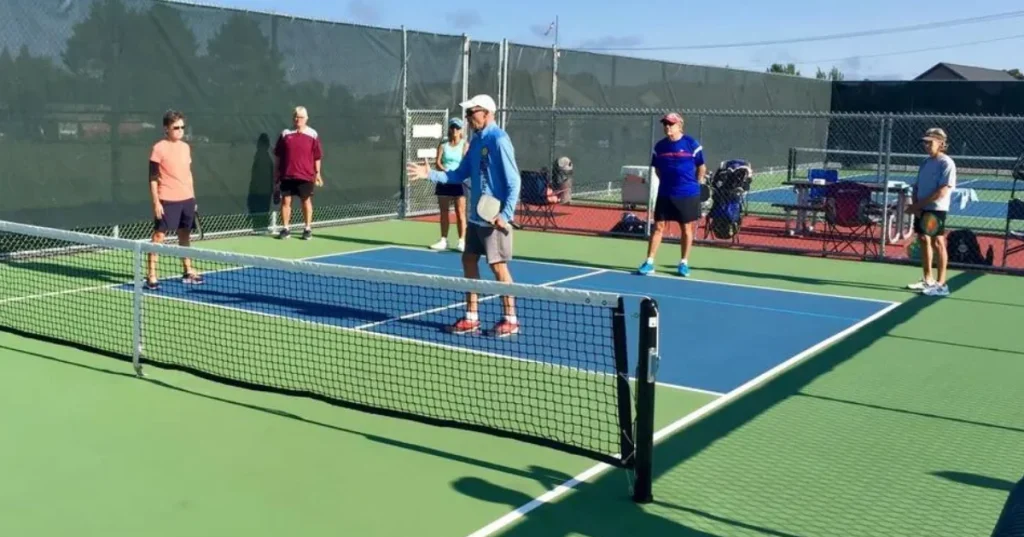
(481, 101)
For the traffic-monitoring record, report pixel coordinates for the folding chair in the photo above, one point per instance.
(537, 200)
(1014, 211)
(848, 205)
(816, 194)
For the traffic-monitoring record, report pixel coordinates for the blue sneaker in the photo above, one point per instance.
(645, 269)
(684, 269)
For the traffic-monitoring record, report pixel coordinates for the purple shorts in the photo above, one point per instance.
(177, 215)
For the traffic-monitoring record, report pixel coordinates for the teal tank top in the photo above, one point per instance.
(451, 155)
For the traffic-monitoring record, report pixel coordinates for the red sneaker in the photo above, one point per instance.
(464, 326)
(506, 328)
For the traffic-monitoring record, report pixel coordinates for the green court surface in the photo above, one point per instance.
(912, 426)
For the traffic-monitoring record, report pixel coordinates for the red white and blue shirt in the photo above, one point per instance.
(676, 163)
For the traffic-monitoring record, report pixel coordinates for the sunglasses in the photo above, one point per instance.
(178, 128)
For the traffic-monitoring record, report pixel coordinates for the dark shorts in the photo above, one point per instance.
(682, 210)
(489, 242)
(455, 191)
(177, 215)
(939, 215)
(297, 187)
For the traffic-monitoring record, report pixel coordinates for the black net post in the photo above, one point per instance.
(627, 443)
(646, 368)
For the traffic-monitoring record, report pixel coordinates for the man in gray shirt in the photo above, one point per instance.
(936, 180)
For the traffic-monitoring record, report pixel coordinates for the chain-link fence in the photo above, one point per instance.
(793, 155)
(83, 88)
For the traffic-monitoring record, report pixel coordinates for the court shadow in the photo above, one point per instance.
(960, 345)
(371, 242)
(913, 413)
(976, 480)
(986, 302)
(548, 477)
(96, 276)
(285, 307)
(608, 493)
(801, 280)
(599, 521)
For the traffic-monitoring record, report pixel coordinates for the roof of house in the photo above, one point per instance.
(971, 73)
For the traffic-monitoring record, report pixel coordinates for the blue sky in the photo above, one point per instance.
(645, 23)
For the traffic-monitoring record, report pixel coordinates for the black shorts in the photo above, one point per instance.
(682, 210)
(454, 191)
(177, 215)
(939, 215)
(297, 187)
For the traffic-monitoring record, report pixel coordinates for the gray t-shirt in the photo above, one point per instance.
(934, 174)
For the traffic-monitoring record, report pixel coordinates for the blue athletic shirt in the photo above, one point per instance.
(490, 165)
(676, 164)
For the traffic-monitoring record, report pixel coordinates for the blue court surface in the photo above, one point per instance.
(714, 337)
(975, 209)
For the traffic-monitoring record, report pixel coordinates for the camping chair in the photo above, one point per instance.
(816, 194)
(537, 200)
(1014, 212)
(848, 205)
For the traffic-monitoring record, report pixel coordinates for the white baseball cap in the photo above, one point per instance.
(481, 101)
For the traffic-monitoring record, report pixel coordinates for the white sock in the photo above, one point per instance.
(650, 260)
(683, 261)
(512, 319)
(471, 316)
(309, 228)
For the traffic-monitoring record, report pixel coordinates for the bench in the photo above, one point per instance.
(800, 209)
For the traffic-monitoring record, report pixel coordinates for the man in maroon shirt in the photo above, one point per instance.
(296, 170)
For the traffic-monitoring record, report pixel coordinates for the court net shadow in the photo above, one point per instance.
(546, 476)
(603, 508)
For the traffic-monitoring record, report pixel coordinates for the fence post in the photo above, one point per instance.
(403, 193)
(887, 122)
(650, 178)
(465, 69)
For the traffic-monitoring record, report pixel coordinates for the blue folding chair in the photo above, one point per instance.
(817, 193)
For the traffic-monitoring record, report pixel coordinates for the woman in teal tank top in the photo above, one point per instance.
(449, 156)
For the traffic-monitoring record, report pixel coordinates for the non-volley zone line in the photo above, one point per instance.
(513, 516)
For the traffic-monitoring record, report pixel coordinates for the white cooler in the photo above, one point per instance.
(638, 184)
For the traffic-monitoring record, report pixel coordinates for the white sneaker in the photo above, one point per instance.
(440, 245)
(937, 290)
(921, 285)
(462, 245)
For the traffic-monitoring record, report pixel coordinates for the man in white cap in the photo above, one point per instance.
(490, 165)
(936, 180)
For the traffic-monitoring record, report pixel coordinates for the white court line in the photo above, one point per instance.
(457, 304)
(597, 469)
(689, 279)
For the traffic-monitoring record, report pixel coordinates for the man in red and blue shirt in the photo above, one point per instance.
(679, 161)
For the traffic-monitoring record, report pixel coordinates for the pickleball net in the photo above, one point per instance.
(370, 339)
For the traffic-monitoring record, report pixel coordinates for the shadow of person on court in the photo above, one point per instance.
(550, 521)
(261, 184)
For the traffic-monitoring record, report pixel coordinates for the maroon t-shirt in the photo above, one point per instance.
(297, 152)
